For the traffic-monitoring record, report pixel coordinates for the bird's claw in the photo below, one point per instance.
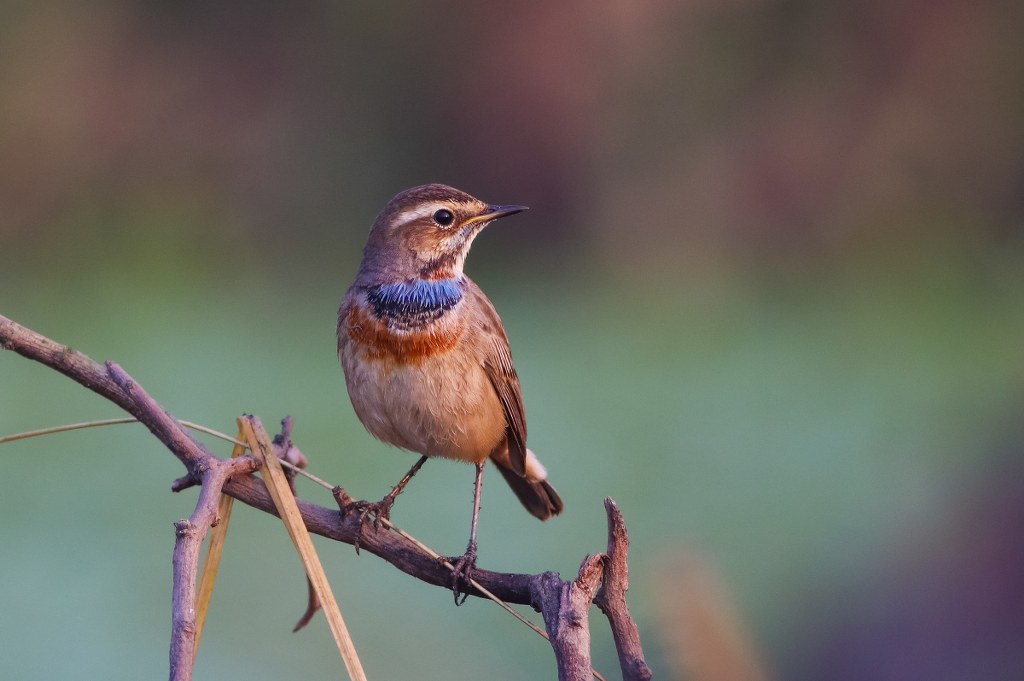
(462, 574)
(380, 510)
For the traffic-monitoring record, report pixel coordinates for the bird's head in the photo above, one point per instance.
(425, 232)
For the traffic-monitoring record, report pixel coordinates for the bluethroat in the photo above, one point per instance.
(427, 362)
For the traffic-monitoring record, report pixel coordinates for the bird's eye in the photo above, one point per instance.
(444, 217)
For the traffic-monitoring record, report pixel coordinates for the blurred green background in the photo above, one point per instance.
(769, 297)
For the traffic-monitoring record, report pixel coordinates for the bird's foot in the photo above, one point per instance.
(463, 568)
(379, 511)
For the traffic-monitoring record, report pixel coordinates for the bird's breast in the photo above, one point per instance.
(423, 389)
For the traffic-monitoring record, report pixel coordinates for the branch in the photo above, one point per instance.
(563, 604)
(109, 381)
(185, 560)
(611, 599)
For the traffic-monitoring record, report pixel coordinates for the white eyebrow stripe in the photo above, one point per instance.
(418, 212)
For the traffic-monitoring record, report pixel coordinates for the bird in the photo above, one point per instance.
(427, 361)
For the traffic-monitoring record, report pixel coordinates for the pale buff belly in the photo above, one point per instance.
(441, 405)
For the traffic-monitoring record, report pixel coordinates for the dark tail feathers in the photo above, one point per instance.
(539, 498)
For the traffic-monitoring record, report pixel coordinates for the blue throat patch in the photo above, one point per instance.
(414, 303)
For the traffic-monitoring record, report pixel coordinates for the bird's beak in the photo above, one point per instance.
(494, 212)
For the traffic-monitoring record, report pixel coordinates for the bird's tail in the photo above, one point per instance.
(533, 491)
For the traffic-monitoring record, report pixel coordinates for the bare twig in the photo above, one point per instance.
(611, 599)
(185, 561)
(564, 606)
(109, 381)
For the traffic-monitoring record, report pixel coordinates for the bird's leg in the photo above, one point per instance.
(382, 509)
(462, 567)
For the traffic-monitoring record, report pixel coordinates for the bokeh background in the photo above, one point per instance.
(769, 297)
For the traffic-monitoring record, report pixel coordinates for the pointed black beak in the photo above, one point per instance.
(493, 212)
